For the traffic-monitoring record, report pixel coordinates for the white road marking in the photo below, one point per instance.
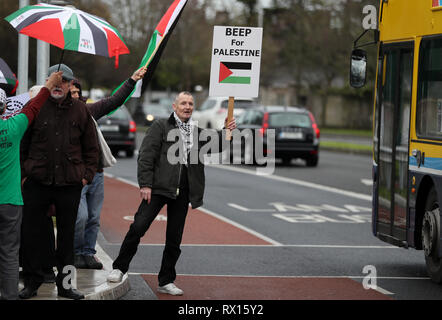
(239, 226)
(383, 291)
(296, 182)
(367, 182)
(317, 218)
(293, 277)
(237, 206)
(109, 175)
(338, 246)
(268, 246)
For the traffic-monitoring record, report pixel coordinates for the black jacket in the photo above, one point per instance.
(156, 172)
(106, 105)
(61, 146)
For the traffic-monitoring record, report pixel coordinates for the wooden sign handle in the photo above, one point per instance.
(229, 117)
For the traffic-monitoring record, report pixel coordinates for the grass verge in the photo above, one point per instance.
(347, 132)
(345, 146)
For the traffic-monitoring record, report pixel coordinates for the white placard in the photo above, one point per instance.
(236, 62)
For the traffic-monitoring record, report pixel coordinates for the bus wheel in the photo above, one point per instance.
(430, 237)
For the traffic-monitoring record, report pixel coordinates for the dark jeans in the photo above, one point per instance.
(176, 217)
(34, 246)
(49, 259)
(10, 221)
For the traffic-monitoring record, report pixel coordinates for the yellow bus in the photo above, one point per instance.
(407, 126)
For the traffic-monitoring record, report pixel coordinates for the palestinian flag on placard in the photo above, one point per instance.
(158, 42)
(437, 3)
(235, 72)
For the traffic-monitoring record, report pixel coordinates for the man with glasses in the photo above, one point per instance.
(59, 155)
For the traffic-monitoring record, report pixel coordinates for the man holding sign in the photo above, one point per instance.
(166, 179)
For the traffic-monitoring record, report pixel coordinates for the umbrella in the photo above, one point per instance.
(69, 29)
(8, 80)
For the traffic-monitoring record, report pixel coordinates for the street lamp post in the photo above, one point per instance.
(23, 57)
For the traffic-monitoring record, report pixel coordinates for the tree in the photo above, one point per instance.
(185, 61)
(250, 12)
(8, 36)
(315, 40)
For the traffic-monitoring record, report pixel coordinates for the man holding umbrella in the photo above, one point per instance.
(59, 156)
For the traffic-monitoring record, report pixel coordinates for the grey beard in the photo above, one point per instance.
(58, 97)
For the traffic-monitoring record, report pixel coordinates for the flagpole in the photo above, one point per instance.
(166, 26)
(153, 53)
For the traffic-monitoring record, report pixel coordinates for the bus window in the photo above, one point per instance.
(429, 103)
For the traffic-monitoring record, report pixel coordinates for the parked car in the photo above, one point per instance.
(119, 130)
(213, 111)
(296, 132)
(152, 111)
(146, 113)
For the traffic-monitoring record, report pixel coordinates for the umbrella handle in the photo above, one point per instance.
(61, 59)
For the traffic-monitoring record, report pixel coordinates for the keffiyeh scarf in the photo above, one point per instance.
(186, 131)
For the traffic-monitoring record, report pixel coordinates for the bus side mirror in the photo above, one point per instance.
(358, 68)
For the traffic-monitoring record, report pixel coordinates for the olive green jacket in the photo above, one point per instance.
(157, 173)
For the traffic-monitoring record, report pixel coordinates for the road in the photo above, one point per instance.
(306, 230)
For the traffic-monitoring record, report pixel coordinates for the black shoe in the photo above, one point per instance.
(92, 263)
(79, 262)
(70, 293)
(48, 275)
(27, 293)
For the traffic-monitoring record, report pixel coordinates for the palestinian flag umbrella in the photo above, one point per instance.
(8, 80)
(69, 29)
(158, 42)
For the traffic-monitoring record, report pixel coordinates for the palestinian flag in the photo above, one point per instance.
(69, 29)
(437, 3)
(8, 80)
(158, 42)
(235, 72)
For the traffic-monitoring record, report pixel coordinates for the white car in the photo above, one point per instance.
(213, 111)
